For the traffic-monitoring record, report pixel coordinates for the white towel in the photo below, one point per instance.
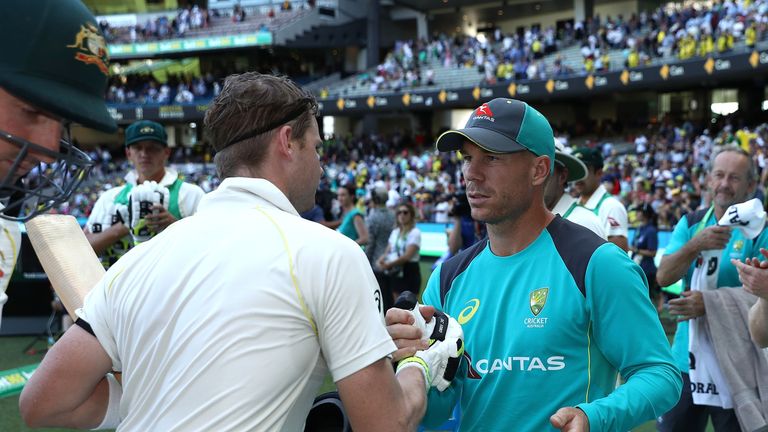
(707, 381)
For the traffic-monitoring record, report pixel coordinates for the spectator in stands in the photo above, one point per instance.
(753, 273)
(351, 221)
(644, 247)
(400, 260)
(380, 223)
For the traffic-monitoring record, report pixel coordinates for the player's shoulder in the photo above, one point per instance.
(611, 202)
(576, 245)
(110, 194)
(310, 233)
(188, 187)
(692, 218)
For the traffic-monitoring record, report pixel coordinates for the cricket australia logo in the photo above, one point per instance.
(91, 47)
(537, 301)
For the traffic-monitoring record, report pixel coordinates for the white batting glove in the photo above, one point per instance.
(143, 197)
(441, 360)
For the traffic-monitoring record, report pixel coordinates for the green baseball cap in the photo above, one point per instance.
(504, 126)
(55, 58)
(590, 156)
(576, 168)
(145, 130)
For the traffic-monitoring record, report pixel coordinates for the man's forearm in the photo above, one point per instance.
(758, 322)
(673, 267)
(414, 396)
(101, 241)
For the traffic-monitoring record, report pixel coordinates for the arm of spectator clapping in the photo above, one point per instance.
(753, 273)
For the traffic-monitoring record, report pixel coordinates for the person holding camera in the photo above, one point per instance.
(400, 260)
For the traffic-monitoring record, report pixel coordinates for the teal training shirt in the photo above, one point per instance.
(549, 327)
(738, 248)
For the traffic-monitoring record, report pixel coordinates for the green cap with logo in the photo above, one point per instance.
(55, 58)
(145, 130)
(576, 168)
(504, 126)
(590, 156)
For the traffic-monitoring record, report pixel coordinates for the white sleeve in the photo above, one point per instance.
(102, 210)
(97, 311)
(10, 244)
(3, 299)
(189, 198)
(414, 238)
(615, 216)
(347, 305)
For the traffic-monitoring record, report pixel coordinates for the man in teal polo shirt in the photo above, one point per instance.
(732, 179)
(550, 311)
(153, 197)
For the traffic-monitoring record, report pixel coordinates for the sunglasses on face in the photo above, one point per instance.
(403, 212)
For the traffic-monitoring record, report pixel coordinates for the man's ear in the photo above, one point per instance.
(285, 146)
(542, 166)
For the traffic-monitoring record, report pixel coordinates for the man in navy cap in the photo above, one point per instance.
(546, 331)
(53, 72)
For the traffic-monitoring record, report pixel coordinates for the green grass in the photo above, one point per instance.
(12, 356)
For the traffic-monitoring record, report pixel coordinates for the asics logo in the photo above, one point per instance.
(468, 312)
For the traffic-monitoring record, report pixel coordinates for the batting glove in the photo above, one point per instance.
(120, 214)
(441, 360)
(143, 197)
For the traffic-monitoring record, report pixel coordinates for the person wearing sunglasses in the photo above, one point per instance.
(400, 260)
(53, 72)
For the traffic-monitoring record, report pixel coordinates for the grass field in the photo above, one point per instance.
(12, 356)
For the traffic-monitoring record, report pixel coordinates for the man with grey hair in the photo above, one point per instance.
(380, 221)
(731, 179)
(230, 320)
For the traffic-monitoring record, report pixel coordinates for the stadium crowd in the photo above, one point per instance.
(663, 166)
(198, 20)
(684, 32)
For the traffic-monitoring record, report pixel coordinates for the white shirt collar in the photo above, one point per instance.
(563, 204)
(596, 196)
(243, 192)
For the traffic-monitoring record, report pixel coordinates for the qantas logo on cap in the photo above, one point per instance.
(484, 109)
(484, 112)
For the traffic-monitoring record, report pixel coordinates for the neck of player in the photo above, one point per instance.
(156, 177)
(515, 234)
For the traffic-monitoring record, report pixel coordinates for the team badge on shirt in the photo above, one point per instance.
(538, 300)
